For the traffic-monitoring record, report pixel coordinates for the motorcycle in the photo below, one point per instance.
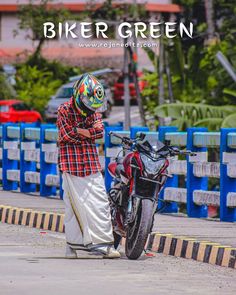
(138, 177)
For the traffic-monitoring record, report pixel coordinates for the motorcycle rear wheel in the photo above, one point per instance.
(137, 232)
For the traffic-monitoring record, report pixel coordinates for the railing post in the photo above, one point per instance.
(61, 189)
(26, 187)
(8, 164)
(171, 182)
(227, 184)
(1, 152)
(46, 168)
(193, 182)
(108, 144)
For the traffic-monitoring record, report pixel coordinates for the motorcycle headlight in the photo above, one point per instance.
(151, 166)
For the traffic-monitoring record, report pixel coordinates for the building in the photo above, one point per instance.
(81, 52)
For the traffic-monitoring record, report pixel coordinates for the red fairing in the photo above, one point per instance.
(140, 164)
(165, 166)
(127, 163)
(112, 168)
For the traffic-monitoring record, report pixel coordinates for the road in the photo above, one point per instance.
(32, 263)
(118, 115)
(176, 224)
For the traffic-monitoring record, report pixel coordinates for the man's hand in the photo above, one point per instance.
(84, 132)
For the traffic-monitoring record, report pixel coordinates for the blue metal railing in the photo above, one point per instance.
(28, 158)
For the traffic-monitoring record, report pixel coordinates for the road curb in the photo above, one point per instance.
(167, 244)
(39, 219)
(190, 248)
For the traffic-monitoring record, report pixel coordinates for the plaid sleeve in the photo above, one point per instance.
(96, 129)
(67, 132)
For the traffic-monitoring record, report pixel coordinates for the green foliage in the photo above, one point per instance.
(196, 74)
(108, 12)
(32, 17)
(190, 114)
(151, 92)
(6, 90)
(229, 121)
(59, 71)
(206, 72)
(230, 92)
(212, 124)
(35, 87)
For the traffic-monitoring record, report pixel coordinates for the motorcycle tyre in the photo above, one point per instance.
(143, 230)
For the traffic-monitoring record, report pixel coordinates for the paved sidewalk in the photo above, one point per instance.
(178, 225)
(30, 201)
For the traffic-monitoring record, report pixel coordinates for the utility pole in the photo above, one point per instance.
(168, 74)
(126, 87)
(135, 68)
(161, 72)
(209, 19)
(161, 90)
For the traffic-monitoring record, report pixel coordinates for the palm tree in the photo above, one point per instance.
(209, 19)
(198, 115)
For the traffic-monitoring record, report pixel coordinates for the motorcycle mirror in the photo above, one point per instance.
(142, 136)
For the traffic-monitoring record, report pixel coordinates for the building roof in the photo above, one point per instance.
(152, 7)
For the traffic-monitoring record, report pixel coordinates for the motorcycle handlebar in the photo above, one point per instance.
(181, 152)
(112, 133)
(172, 151)
(126, 140)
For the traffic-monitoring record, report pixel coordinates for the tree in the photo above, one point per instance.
(196, 74)
(209, 19)
(35, 87)
(114, 15)
(33, 16)
(6, 90)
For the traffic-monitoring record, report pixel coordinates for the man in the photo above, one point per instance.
(87, 213)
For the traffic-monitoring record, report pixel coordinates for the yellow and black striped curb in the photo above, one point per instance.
(42, 220)
(190, 248)
(168, 244)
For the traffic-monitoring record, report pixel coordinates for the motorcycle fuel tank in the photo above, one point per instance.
(112, 168)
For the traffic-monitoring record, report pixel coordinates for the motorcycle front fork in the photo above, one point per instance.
(133, 205)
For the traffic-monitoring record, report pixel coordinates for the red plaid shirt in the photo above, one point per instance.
(78, 154)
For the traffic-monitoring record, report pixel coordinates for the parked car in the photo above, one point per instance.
(119, 88)
(64, 93)
(17, 111)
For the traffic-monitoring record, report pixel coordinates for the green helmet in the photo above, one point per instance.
(89, 93)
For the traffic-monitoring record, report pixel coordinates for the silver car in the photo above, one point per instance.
(64, 93)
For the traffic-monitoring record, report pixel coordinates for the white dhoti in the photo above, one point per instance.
(87, 211)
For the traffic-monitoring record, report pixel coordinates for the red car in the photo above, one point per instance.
(119, 88)
(17, 111)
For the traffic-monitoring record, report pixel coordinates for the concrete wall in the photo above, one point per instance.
(67, 50)
(9, 23)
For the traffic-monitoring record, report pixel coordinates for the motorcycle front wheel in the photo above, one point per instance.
(117, 240)
(138, 230)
